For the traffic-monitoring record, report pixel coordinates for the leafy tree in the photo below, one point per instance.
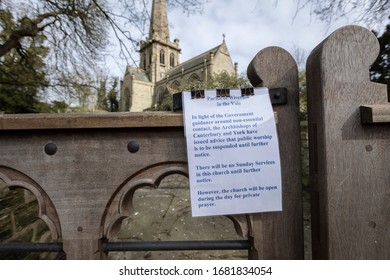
(380, 70)
(302, 95)
(216, 81)
(22, 72)
(108, 101)
(53, 107)
(219, 80)
(59, 107)
(112, 97)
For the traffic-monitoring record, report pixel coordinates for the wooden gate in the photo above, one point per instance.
(349, 137)
(84, 169)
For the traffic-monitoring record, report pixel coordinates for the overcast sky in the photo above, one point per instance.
(248, 25)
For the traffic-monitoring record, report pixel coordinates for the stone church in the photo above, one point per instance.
(160, 71)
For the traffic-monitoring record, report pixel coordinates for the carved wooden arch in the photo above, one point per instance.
(120, 205)
(15, 179)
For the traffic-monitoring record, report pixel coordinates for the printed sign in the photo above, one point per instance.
(233, 153)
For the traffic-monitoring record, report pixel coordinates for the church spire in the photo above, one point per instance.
(159, 21)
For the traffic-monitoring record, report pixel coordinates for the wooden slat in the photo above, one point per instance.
(349, 162)
(279, 235)
(90, 120)
(371, 114)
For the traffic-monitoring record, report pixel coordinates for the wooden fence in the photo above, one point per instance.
(84, 168)
(349, 141)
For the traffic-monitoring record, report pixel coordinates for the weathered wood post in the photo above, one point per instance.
(349, 161)
(279, 235)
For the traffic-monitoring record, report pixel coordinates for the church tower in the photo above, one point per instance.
(160, 72)
(158, 53)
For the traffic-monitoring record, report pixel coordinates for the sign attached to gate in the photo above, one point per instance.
(233, 153)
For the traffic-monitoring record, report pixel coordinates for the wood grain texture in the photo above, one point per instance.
(371, 114)
(86, 187)
(279, 235)
(90, 120)
(79, 181)
(349, 162)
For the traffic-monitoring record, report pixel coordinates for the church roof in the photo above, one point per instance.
(139, 74)
(197, 60)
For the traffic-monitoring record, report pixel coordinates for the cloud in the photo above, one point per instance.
(249, 26)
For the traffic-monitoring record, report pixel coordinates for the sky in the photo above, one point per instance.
(248, 26)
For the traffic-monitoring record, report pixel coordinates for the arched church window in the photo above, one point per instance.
(175, 86)
(172, 60)
(160, 94)
(193, 78)
(162, 57)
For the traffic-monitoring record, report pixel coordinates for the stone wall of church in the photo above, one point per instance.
(223, 62)
(135, 96)
(141, 97)
(124, 91)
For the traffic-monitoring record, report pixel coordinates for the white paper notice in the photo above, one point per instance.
(233, 153)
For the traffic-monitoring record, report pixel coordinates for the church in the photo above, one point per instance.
(160, 72)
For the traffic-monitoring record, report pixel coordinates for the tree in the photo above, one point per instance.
(112, 97)
(219, 80)
(22, 75)
(380, 70)
(302, 95)
(369, 12)
(216, 81)
(77, 30)
(75, 34)
(108, 101)
(59, 106)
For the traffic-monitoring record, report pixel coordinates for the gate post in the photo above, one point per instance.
(279, 235)
(349, 161)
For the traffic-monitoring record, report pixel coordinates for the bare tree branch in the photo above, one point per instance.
(76, 32)
(369, 12)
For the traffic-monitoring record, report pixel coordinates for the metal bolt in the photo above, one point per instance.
(133, 147)
(80, 229)
(50, 149)
(369, 148)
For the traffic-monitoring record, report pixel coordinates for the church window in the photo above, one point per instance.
(172, 60)
(160, 94)
(193, 78)
(175, 86)
(162, 57)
